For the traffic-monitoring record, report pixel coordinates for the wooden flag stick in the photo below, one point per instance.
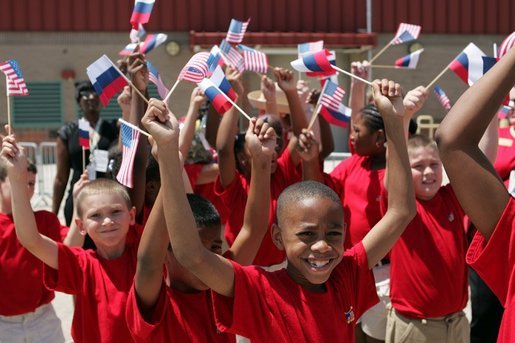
(380, 52)
(438, 76)
(134, 127)
(386, 66)
(314, 116)
(171, 91)
(8, 111)
(130, 83)
(232, 102)
(83, 159)
(352, 75)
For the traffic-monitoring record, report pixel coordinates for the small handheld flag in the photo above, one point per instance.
(214, 60)
(332, 95)
(219, 80)
(471, 64)
(231, 56)
(442, 97)
(137, 34)
(409, 61)
(254, 60)
(219, 102)
(84, 133)
(106, 78)
(129, 138)
(15, 83)
(315, 62)
(506, 45)
(141, 12)
(309, 47)
(155, 78)
(406, 33)
(196, 69)
(152, 41)
(236, 31)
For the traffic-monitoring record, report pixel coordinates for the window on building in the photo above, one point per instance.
(43, 108)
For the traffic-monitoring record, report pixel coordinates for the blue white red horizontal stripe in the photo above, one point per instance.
(219, 80)
(406, 33)
(340, 117)
(332, 95)
(84, 133)
(141, 12)
(215, 96)
(237, 31)
(315, 62)
(409, 61)
(106, 78)
(152, 41)
(254, 60)
(309, 47)
(15, 84)
(471, 64)
(155, 78)
(442, 97)
(231, 56)
(214, 60)
(130, 138)
(506, 45)
(196, 69)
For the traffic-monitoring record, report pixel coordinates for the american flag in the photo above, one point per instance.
(310, 47)
(332, 95)
(506, 45)
(130, 138)
(15, 83)
(155, 78)
(254, 60)
(236, 31)
(442, 97)
(406, 33)
(196, 69)
(231, 56)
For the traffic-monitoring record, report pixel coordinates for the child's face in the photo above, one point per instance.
(361, 137)
(106, 219)
(312, 234)
(5, 188)
(426, 168)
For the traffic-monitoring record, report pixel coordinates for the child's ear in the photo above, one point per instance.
(132, 214)
(80, 225)
(276, 236)
(381, 139)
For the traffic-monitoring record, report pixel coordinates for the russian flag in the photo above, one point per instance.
(217, 99)
(341, 117)
(332, 60)
(129, 49)
(214, 60)
(152, 41)
(106, 78)
(314, 62)
(409, 61)
(471, 64)
(219, 80)
(141, 12)
(84, 133)
(309, 47)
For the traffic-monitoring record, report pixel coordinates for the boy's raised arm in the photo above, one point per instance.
(401, 196)
(214, 270)
(472, 176)
(25, 223)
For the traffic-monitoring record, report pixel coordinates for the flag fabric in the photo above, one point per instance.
(152, 41)
(155, 78)
(141, 12)
(219, 80)
(332, 60)
(409, 61)
(217, 99)
(137, 34)
(106, 78)
(504, 112)
(340, 117)
(471, 64)
(15, 83)
(254, 60)
(236, 31)
(406, 33)
(129, 49)
(214, 60)
(332, 95)
(309, 47)
(196, 69)
(314, 62)
(231, 56)
(506, 45)
(130, 138)
(442, 97)
(84, 133)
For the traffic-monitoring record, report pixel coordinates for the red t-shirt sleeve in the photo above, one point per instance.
(494, 260)
(287, 172)
(193, 171)
(235, 191)
(69, 277)
(138, 326)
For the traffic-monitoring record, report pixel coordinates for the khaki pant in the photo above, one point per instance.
(453, 328)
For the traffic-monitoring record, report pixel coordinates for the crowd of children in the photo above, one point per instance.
(310, 255)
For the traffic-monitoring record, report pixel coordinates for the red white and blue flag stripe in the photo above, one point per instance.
(237, 31)
(332, 95)
(196, 69)
(152, 41)
(332, 60)
(215, 96)
(130, 138)
(137, 34)
(406, 33)
(409, 61)
(471, 64)
(141, 12)
(106, 78)
(254, 60)
(214, 60)
(14, 79)
(314, 62)
(506, 45)
(442, 97)
(129, 49)
(339, 117)
(219, 80)
(231, 56)
(84, 133)
(309, 47)
(155, 78)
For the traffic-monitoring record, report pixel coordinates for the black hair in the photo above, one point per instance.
(239, 146)
(372, 117)
(413, 127)
(83, 86)
(203, 210)
(302, 190)
(152, 171)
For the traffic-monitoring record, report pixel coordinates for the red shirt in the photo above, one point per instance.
(271, 307)
(235, 198)
(505, 160)
(494, 261)
(359, 188)
(100, 287)
(21, 273)
(177, 317)
(428, 275)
